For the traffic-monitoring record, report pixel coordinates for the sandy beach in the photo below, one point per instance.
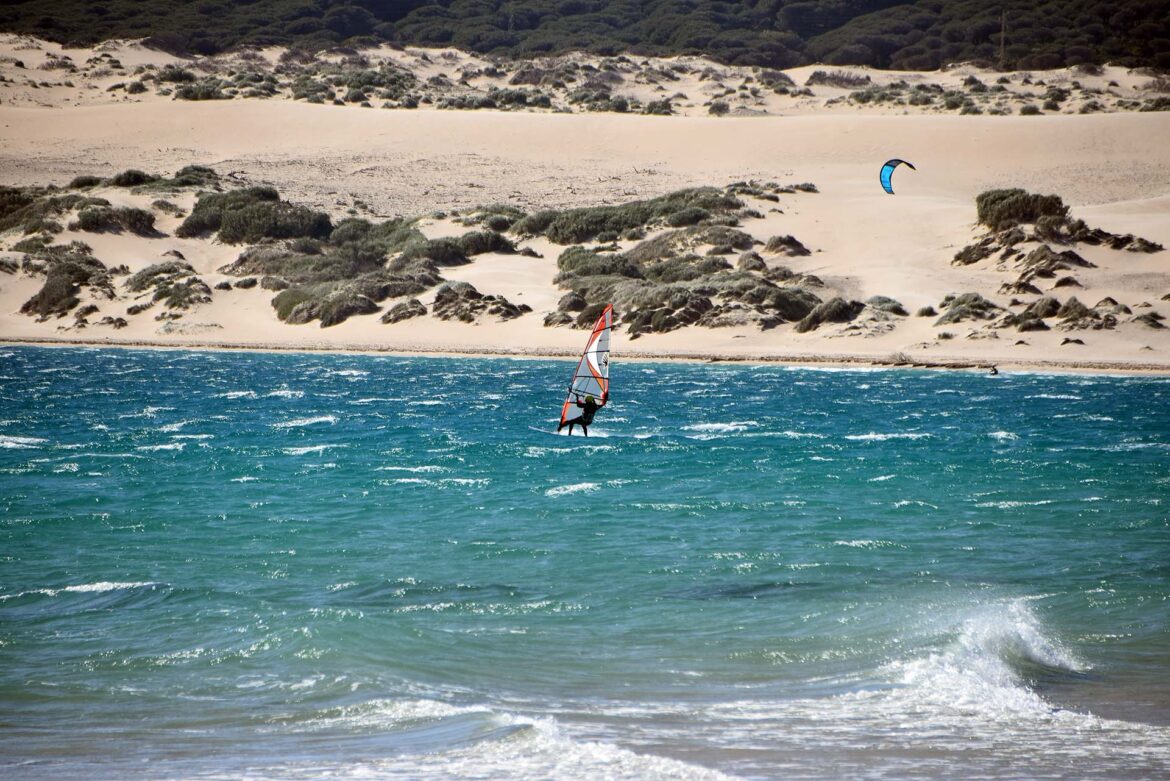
(1111, 168)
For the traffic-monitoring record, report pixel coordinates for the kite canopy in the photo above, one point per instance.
(888, 172)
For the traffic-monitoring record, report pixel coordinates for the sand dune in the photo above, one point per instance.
(1113, 169)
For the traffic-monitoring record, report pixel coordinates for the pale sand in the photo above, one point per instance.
(1112, 168)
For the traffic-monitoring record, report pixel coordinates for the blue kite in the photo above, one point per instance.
(888, 171)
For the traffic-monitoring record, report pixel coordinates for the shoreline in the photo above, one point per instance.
(857, 361)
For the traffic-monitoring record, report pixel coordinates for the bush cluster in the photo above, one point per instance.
(1002, 209)
(574, 226)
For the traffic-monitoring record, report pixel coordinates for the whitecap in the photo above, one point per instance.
(302, 422)
(285, 393)
(1007, 505)
(241, 394)
(722, 428)
(575, 488)
(875, 437)
(168, 446)
(84, 588)
(870, 544)
(1003, 436)
(300, 451)
(20, 443)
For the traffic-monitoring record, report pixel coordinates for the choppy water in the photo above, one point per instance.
(315, 566)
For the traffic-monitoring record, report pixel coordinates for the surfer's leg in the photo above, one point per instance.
(585, 429)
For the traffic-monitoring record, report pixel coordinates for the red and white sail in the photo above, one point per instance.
(592, 375)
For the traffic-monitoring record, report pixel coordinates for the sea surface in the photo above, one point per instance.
(301, 566)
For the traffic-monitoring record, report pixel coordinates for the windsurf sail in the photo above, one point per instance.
(592, 375)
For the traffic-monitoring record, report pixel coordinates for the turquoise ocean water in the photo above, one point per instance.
(299, 566)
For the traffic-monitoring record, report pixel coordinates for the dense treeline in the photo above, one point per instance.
(919, 35)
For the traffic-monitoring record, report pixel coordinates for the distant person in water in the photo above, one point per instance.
(993, 371)
(589, 408)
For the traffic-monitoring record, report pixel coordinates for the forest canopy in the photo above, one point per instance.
(920, 35)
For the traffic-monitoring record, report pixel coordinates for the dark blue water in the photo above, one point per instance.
(274, 566)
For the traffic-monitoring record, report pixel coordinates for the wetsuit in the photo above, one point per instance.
(589, 408)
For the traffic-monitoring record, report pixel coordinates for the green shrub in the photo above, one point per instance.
(479, 242)
(840, 79)
(137, 221)
(575, 226)
(582, 262)
(207, 216)
(174, 74)
(685, 269)
(96, 219)
(32, 245)
(534, 224)
(272, 221)
(718, 108)
(84, 181)
(691, 215)
(659, 107)
(69, 268)
(1001, 209)
(135, 88)
(444, 252)
(288, 299)
(1029, 110)
(132, 178)
(350, 229)
(208, 89)
(187, 176)
(159, 275)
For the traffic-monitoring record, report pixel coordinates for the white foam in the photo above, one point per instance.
(84, 588)
(20, 443)
(302, 422)
(516, 747)
(876, 437)
(1003, 436)
(243, 394)
(575, 488)
(731, 427)
(168, 446)
(1010, 504)
(866, 544)
(914, 502)
(300, 451)
(285, 393)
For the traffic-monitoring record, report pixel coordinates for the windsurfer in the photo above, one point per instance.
(589, 408)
